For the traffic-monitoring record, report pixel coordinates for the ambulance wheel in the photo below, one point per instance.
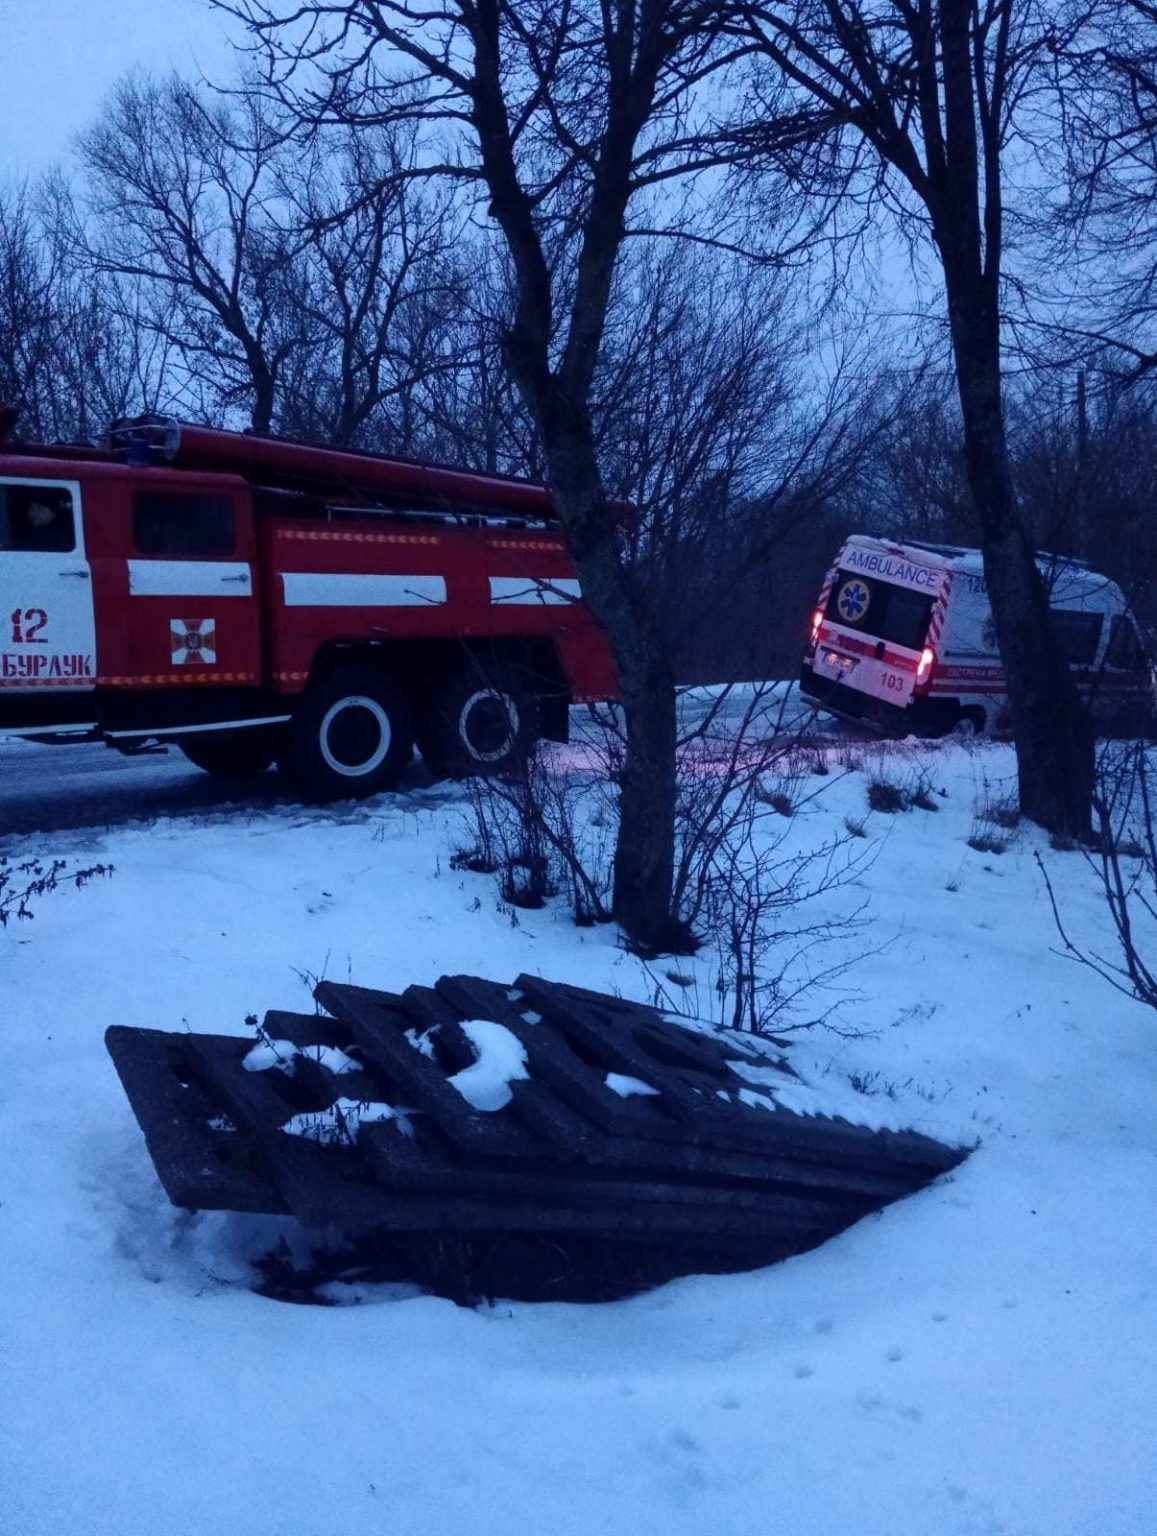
(969, 723)
(231, 754)
(483, 721)
(350, 735)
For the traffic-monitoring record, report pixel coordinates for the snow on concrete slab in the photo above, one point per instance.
(629, 1087)
(338, 1125)
(980, 1358)
(283, 1055)
(423, 1041)
(501, 1060)
(831, 1096)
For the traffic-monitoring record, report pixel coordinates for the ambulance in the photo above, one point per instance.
(902, 638)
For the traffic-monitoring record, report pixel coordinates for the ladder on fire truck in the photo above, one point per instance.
(377, 484)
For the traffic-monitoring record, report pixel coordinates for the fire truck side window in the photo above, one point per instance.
(173, 523)
(1079, 635)
(36, 518)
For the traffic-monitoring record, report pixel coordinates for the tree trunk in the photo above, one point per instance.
(644, 852)
(264, 390)
(1053, 734)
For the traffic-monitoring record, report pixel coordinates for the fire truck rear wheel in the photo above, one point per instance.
(231, 754)
(350, 736)
(481, 722)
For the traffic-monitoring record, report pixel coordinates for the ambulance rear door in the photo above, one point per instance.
(876, 623)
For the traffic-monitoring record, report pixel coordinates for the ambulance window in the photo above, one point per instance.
(174, 523)
(880, 609)
(36, 518)
(1079, 634)
(1125, 652)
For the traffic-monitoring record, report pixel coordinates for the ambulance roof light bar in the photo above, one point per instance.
(958, 552)
(954, 551)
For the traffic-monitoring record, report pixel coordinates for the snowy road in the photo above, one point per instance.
(44, 789)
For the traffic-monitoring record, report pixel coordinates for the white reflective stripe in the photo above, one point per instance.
(190, 578)
(212, 725)
(322, 589)
(534, 589)
(48, 730)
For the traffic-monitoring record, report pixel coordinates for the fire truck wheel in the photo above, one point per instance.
(479, 723)
(231, 754)
(350, 736)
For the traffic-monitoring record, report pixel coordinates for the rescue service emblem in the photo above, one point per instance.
(852, 600)
(193, 642)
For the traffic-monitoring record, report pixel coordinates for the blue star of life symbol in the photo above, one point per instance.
(852, 601)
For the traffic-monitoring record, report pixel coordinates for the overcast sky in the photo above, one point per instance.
(61, 56)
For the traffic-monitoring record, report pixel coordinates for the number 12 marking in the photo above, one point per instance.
(26, 626)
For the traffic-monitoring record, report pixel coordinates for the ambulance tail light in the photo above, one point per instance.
(924, 667)
(817, 620)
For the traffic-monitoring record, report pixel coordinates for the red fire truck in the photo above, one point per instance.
(256, 600)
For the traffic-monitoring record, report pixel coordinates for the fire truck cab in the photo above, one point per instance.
(255, 600)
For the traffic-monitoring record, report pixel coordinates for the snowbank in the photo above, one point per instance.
(978, 1359)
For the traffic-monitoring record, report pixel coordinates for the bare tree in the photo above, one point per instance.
(561, 116)
(1125, 862)
(377, 295)
(470, 411)
(71, 353)
(934, 92)
(693, 378)
(184, 189)
(105, 363)
(912, 482)
(26, 307)
(1107, 77)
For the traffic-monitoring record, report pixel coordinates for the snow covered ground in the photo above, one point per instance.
(981, 1358)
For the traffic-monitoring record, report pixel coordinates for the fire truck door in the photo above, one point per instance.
(193, 616)
(47, 629)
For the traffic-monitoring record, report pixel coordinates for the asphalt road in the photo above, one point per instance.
(46, 789)
(58, 788)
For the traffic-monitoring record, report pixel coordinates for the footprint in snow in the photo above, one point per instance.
(801, 1372)
(894, 1354)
